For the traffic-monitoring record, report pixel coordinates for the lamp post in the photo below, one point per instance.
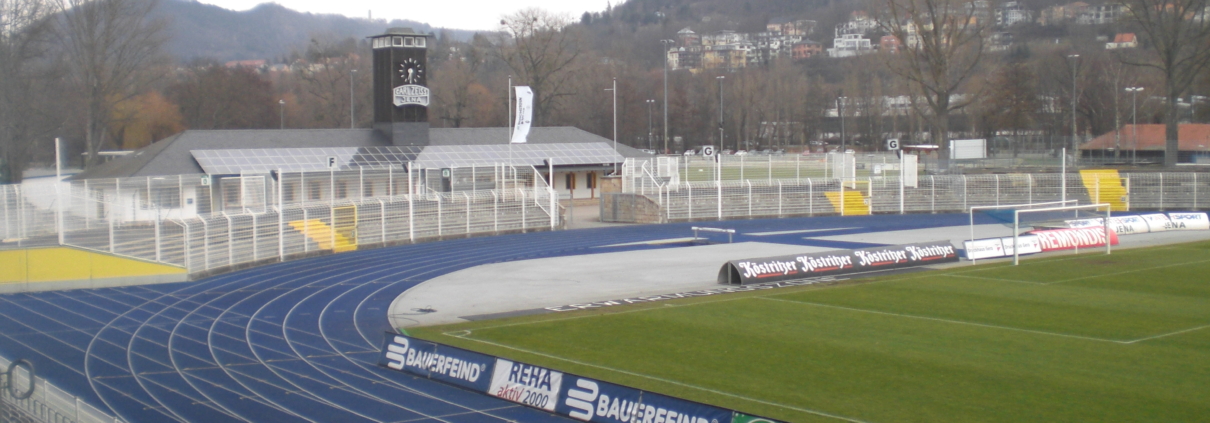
(650, 142)
(615, 120)
(1074, 66)
(720, 112)
(281, 105)
(666, 43)
(840, 111)
(1134, 118)
(352, 104)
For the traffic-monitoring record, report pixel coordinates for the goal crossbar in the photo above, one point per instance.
(973, 209)
(1017, 225)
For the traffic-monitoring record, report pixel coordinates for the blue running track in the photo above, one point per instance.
(299, 341)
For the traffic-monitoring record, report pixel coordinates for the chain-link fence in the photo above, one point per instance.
(204, 223)
(732, 188)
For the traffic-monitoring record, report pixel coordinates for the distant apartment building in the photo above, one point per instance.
(1013, 13)
(730, 50)
(1057, 15)
(850, 45)
(1103, 14)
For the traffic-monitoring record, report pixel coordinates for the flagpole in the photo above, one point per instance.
(509, 123)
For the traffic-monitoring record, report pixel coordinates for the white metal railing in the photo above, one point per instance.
(774, 187)
(48, 403)
(181, 221)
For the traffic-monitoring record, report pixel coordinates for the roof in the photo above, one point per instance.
(1192, 136)
(173, 155)
(1125, 37)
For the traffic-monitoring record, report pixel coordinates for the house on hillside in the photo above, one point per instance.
(1146, 143)
(1122, 40)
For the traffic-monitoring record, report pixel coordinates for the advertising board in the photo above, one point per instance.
(983, 248)
(1066, 239)
(1028, 243)
(1157, 222)
(769, 269)
(526, 384)
(1123, 225)
(1188, 222)
(595, 401)
(448, 364)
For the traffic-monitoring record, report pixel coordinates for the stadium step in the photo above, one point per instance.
(322, 234)
(1105, 187)
(855, 202)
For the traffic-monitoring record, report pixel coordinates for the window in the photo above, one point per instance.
(592, 180)
(420, 42)
(367, 190)
(571, 181)
(166, 198)
(287, 192)
(315, 191)
(408, 41)
(342, 189)
(398, 41)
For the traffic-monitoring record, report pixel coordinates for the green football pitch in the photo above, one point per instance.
(1090, 337)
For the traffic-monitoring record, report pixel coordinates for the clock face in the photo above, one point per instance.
(411, 71)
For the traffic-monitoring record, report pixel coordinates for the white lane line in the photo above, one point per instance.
(957, 322)
(1130, 271)
(672, 382)
(652, 242)
(804, 231)
(958, 275)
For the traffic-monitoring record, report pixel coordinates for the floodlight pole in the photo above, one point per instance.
(1134, 117)
(1063, 176)
(666, 43)
(58, 190)
(1074, 66)
(720, 115)
(352, 105)
(615, 121)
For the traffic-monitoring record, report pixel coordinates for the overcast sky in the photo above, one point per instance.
(455, 14)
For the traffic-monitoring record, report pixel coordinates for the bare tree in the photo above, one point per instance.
(23, 32)
(213, 96)
(110, 44)
(324, 80)
(541, 48)
(942, 45)
(1178, 36)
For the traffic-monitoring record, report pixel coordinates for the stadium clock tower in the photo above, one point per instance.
(401, 93)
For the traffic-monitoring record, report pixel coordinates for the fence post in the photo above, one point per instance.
(749, 197)
(1128, 194)
(1161, 191)
(411, 209)
(770, 178)
(495, 211)
(230, 241)
(965, 195)
(523, 223)
(841, 181)
(157, 231)
(779, 198)
(719, 195)
(1030, 196)
(798, 166)
(7, 227)
(997, 189)
(281, 218)
(468, 211)
(810, 197)
(188, 262)
(255, 235)
(111, 243)
(690, 201)
(205, 245)
(932, 194)
(306, 230)
(117, 191)
(440, 217)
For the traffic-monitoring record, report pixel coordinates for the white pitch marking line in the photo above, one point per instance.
(673, 382)
(956, 275)
(1087, 338)
(1167, 334)
(1130, 271)
(804, 231)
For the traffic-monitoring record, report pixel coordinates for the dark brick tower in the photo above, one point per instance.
(401, 93)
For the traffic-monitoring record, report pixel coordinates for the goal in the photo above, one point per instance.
(1094, 212)
(1058, 225)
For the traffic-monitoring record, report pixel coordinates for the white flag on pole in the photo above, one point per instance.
(525, 114)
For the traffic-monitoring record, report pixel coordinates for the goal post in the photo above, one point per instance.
(1094, 208)
(1009, 208)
